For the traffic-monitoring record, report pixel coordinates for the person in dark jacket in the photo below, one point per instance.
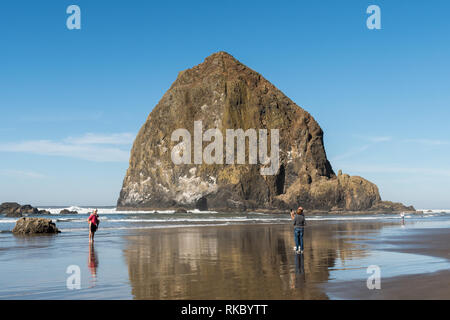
(299, 223)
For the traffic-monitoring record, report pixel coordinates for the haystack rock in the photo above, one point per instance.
(224, 94)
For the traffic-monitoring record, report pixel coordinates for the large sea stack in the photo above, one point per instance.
(225, 94)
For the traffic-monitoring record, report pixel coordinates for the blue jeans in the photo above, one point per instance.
(298, 236)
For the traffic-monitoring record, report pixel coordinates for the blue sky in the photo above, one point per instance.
(72, 101)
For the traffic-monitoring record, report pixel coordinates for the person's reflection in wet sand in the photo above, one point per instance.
(92, 263)
(300, 277)
(300, 265)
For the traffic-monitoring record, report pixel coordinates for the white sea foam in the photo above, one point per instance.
(112, 210)
(215, 219)
(84, 210)
(427, 211)
(69, 220)
(8, 220)
(199, 211)
(88, 210)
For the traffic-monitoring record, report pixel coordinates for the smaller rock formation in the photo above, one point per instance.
(13, 209)
(66, 211)
(9, 208)
(180, 210)
(389, 206)
(35, 226)
(13, 214)
(28, 209)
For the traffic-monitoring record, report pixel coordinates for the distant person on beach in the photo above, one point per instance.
(299, 224)
(93, 224)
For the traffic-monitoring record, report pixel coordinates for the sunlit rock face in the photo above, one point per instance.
(224, 94)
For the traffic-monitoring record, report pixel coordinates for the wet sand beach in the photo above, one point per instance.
(433, 242)
(242, 261)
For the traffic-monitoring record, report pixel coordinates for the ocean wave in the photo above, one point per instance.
(201, 212)
(235, 219)
(8, 220)
(431, 211)
(88, 210)
(113, 210)
(210, 219)
(80, 210)
(154, 217)
(69, 220)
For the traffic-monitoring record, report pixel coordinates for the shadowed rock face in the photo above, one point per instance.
(225, 94)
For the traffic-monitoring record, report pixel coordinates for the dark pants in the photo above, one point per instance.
(298, 236)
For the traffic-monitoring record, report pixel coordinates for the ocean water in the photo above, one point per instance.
(112, 219)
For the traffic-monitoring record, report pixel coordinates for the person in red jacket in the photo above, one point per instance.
(93, 224)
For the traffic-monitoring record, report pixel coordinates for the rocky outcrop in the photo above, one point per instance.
(13, 214)
(343, 193)
(13, 209)
(224, 94)
(9, 208)
(28, 209)
(66, 211)
(34, 226)
(388, 206)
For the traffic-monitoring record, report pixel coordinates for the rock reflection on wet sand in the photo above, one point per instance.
(239, 262)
